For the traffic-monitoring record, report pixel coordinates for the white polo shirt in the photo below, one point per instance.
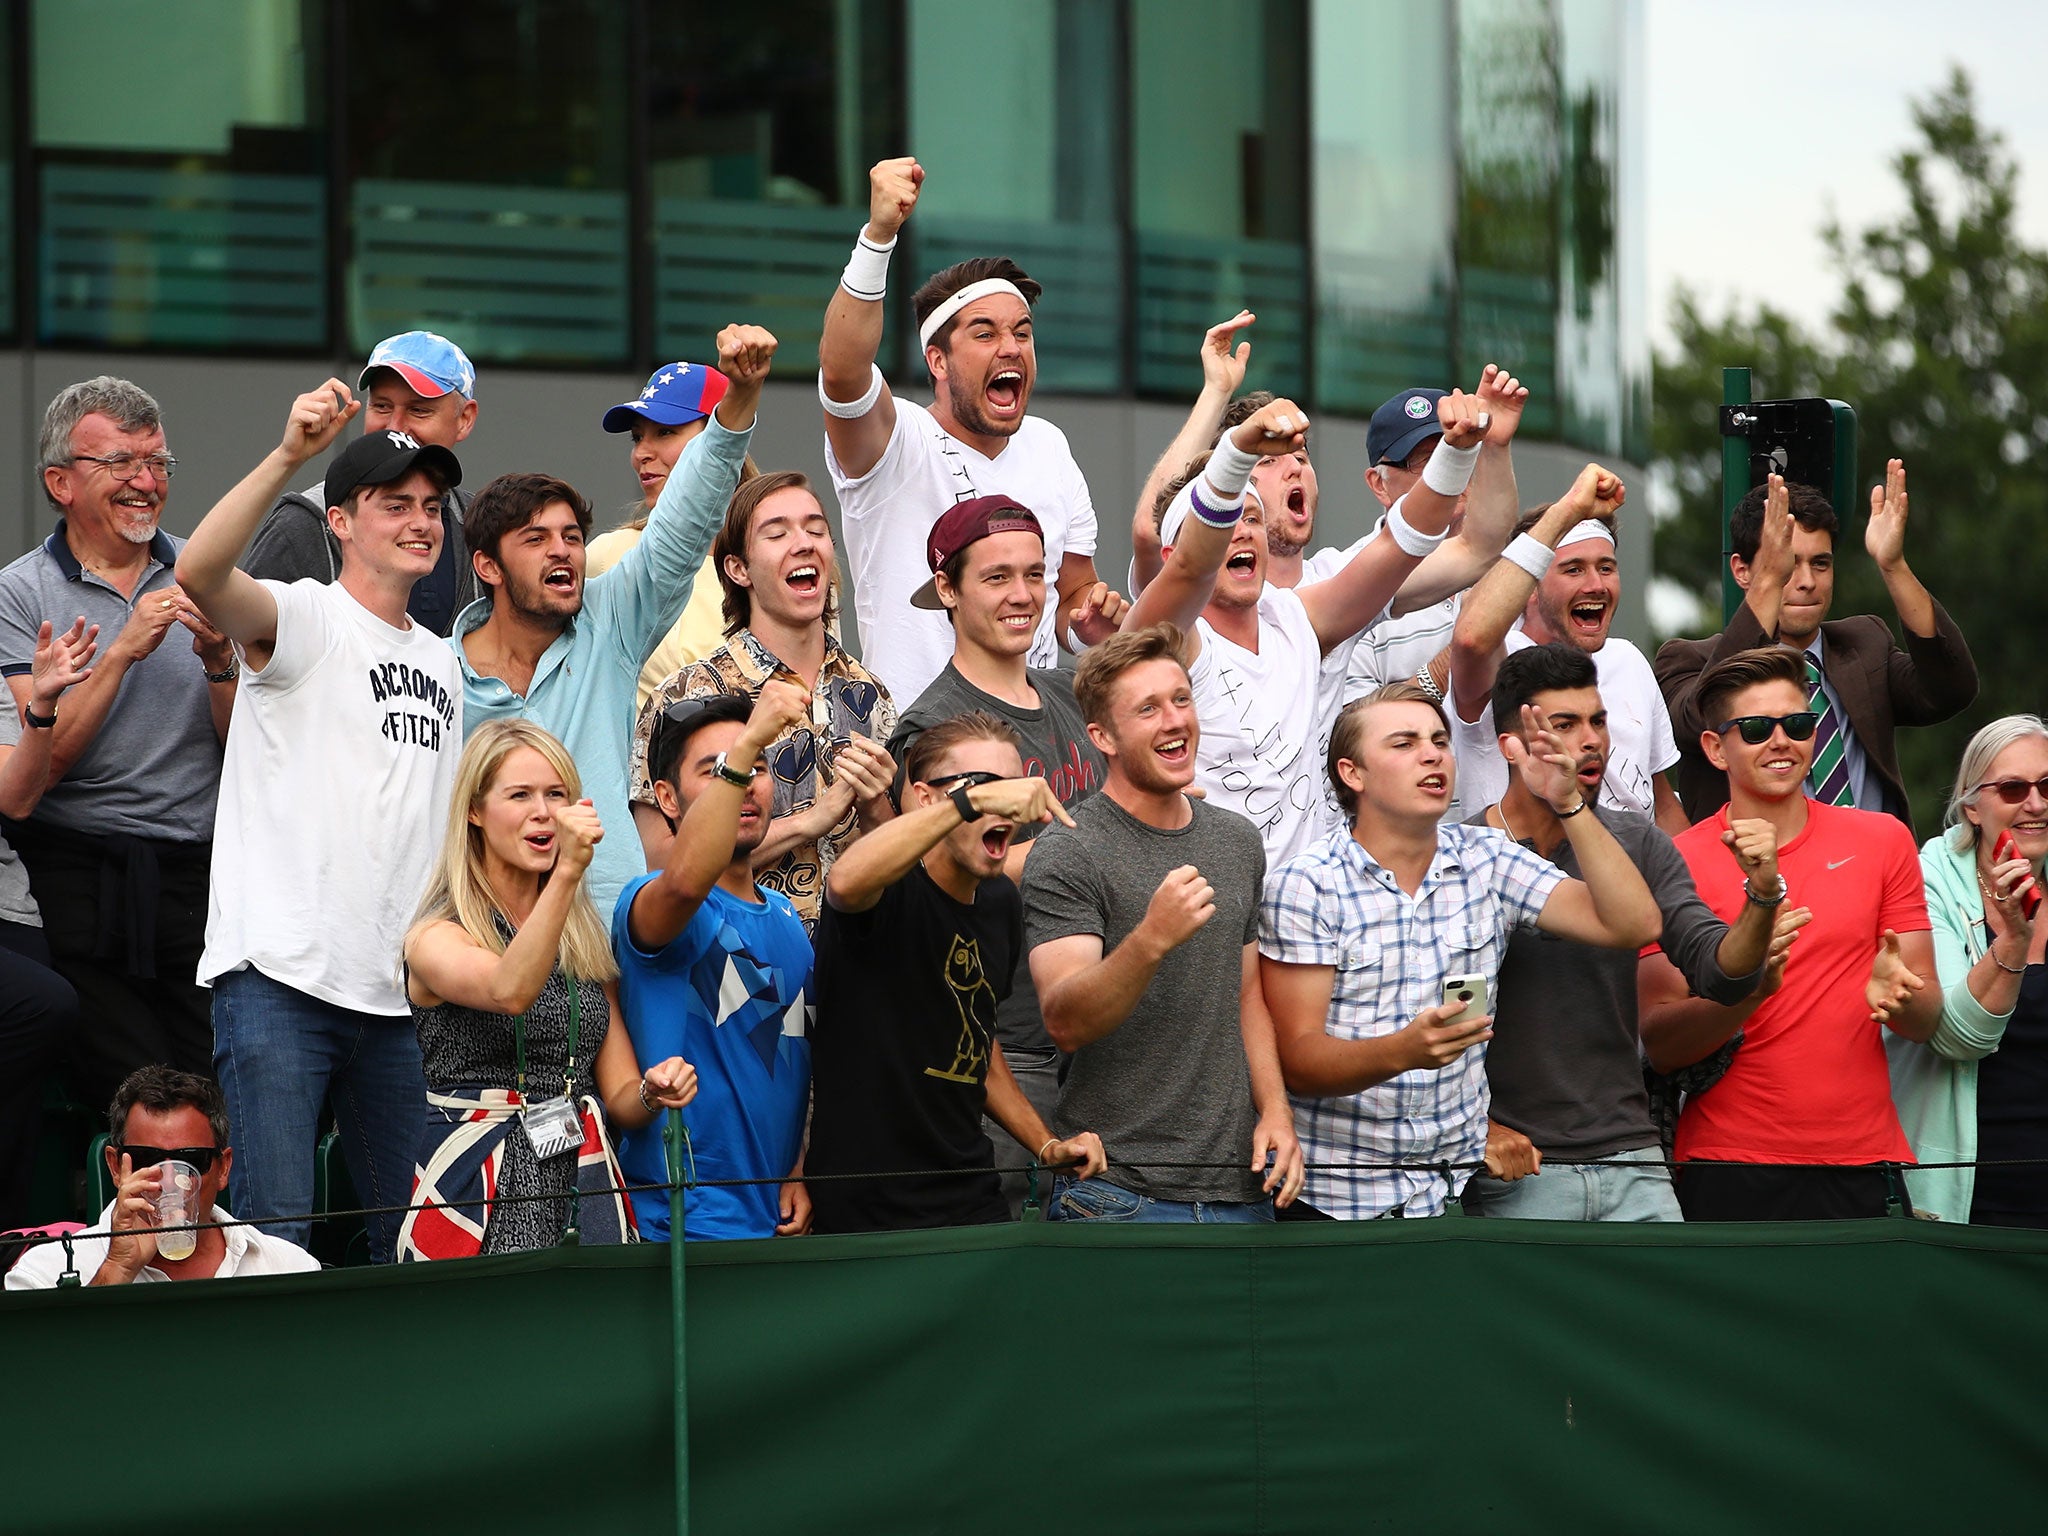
(250, 1251)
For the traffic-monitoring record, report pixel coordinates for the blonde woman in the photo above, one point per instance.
(513, 992)
(1978, 1089)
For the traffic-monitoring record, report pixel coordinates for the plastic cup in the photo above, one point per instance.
(176, 1204)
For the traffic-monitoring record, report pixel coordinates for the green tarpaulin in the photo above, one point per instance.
(1444, 1376)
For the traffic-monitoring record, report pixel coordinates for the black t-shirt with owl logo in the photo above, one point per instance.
(907, 994)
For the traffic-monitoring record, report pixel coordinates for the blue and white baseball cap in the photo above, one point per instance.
(432, 365)
(676, 395)
(1401, 423)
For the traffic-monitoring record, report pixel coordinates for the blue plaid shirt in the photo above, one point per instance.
(1334, 905)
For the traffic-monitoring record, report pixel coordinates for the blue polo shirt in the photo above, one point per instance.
(584, 691)
(730, 995)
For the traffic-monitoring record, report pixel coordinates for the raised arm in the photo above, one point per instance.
(882, 857)
(1491, 607)
(1610, 904)
(1222, 375)
(445, 963)
(1215, 503)
(60, 662)
(709, 830)
(1492, 502)
(1415, 528)
(239, 605)
(860, 413)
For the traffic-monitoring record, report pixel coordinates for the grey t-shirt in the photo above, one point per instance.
(153, 767)
(1170, 1084)
(1563, 1063)
(17, 905)
(1056, 749)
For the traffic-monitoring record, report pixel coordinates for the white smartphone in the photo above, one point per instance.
(1468, 990)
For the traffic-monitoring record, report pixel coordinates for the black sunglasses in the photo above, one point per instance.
(965, 780)
(2013, 791)
(1756, 729)
(200, 1158)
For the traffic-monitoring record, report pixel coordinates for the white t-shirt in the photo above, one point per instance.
(1638, 726)
(1395, 648)
(1262, 717)
(250, 1251)
(888, 511)
(333, 800)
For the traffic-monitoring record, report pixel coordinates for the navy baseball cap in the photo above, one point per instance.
(676, 395)
(378, 458)
(1401, 423)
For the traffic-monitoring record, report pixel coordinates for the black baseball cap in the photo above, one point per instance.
(1401, 423)
(378, 458)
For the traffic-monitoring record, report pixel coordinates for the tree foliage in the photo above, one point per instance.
(1940, 341)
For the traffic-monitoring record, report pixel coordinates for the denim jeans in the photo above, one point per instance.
(1099, 1200)
(280, 1055)
(1615, 1190)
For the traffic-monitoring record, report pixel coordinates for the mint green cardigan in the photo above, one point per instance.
(1935, 1085)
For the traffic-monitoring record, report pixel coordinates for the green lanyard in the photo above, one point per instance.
(575, 1033)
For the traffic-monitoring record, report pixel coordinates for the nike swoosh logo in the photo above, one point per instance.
(1838, 863)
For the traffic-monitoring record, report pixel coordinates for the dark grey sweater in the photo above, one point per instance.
(1563, 1063)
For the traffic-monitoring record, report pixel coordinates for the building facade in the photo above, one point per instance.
(227, 199)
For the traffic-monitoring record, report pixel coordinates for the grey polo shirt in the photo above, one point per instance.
(153, 769)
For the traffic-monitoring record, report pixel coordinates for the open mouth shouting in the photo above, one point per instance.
(995, 841)
(805, 580)
(1005, 392)
(1592, 769)
(1173, 751)
(1297, 504)
(1436, 785)
(1245, 562)
(560, 579)
(1589, 616)
(541, 842)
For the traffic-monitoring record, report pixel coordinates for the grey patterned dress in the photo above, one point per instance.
(468, 1048)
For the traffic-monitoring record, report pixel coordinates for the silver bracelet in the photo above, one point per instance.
(646, 1103)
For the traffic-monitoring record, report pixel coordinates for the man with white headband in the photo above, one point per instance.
(897, 466)
(1257, 651)
(1558, 582)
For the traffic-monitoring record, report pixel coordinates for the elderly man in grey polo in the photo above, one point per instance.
(119, 847)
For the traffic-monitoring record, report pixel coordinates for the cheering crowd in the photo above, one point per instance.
(1321, 883)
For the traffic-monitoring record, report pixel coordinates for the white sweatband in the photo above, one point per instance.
(1531, 554)
(867, 270)
(961, 300)
(1187, 502)
(1409, 540)
(852, 410)
(1591, 528)
(1229, 469)
(1449, 469)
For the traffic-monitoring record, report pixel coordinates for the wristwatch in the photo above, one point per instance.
(958, 795)
(725, 770)
(34, 721)
(1776, 900)
(228, 673)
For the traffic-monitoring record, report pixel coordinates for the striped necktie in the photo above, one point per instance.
(1828, 780)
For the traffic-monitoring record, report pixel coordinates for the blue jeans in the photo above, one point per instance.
(280, 1055)
(1099, 1200)
(1614, 1191)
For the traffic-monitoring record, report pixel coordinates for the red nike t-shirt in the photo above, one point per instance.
(1809, 1082)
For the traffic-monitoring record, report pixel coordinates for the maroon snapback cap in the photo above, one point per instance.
(964, 523)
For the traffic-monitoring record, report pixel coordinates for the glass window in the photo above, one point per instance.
(1218, 185)
(189, 210)
(7, 274)
(764, 122)
(487, 144)
(1385, 200)
(1509, 133)
(1592, 379)
(1015, 114)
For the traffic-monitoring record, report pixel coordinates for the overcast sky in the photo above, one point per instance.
(1799, 106)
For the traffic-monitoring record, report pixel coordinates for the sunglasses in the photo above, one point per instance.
(2013, 791)
(200, 1158)
(1756, 729)
(954, 781)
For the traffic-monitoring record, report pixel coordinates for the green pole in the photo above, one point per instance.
(670, 1126)
(1734, 484)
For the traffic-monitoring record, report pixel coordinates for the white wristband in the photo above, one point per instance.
(1449, 469)
(1410, 540)
(852, 410)
(1229, 468)
(1531, 554)
(867, 270)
